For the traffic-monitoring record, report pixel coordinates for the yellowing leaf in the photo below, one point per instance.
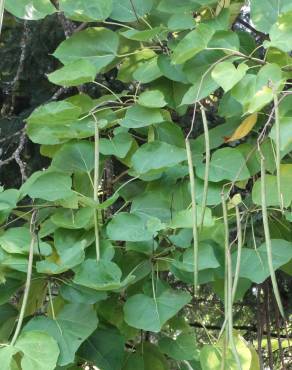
(244, 128)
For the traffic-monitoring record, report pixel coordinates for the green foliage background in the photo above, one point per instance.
(146, 169)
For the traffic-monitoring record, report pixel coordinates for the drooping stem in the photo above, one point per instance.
(28, 280)
(267, 236)
(278, 152)
(109, 90)
(194, 214)
(239, 248)
(95, 188)
(207, 164)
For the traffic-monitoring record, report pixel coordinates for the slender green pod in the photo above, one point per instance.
(207, 164)
(228, 296)
(267, 236)
(239, 249)
(28, 280)
(194, 214)
(95, 187)
(1, 13)
(278, 152)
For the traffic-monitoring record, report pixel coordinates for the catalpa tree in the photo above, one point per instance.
(155, 232)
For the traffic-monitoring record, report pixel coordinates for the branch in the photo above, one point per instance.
(236, 327)
(16, 156)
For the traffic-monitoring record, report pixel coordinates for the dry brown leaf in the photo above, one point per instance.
(243, 129)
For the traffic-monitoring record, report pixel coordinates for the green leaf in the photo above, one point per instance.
(265, 13)
(8, 288)
(69, 219)
(144, 35)
(147, 313)
(147, 71)
(79, 294)
(285, 134)
(192, 44)
(6, 354)
(227, 75)
(84, 11)
(202, 88)
(14, 262)
(156, 156)
(254, 262)
(214, 192)
(74, 74)
(178, 22)
(127, 11)
(104, 348)
(226, 164)
(174, 7)
(40, 351)
(73, 324)
(271, 186)
(30, 9)
(75, 156)
(8, 199)
(206, 257)
(102, 275)
(51, 186)
(200, 64)
(183, 347)
(130, 64)
(17, 240)
(152, 99)
(152, 203)
(138, 116)
(184, 219)
(57, 122)
(56, 111)
(211, 356)
(224, 39)
(97, 45)
(62, 262)
(173, 72)
(147, 357)
(281, 33)
(118, 146)
(170, 133)
(138, 227)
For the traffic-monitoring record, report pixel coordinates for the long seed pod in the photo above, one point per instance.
(1, 13)
(228, 288)
(207, 164)
(278, 152)
(95, 188)
(239, 248)
(226, 233)
(194, 214)
(267, 236)
(28, 280)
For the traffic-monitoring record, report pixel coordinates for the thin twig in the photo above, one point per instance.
(16, 156)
